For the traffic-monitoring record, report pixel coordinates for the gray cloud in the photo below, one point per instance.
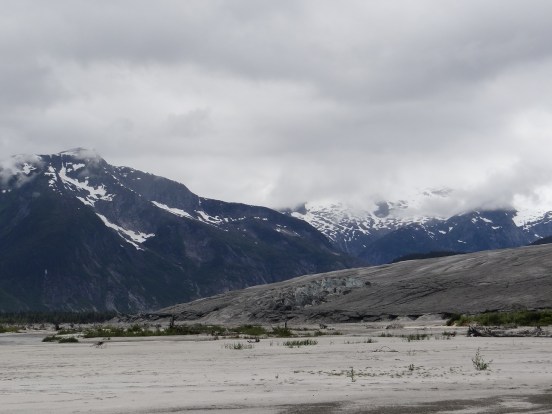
(280, 102)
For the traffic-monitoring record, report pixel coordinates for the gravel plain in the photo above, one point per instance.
(359, 371)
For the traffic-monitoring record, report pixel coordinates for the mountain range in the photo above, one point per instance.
(80, 234)
(391, 231)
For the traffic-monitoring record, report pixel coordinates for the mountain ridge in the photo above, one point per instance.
(390, 230)
(82, 234)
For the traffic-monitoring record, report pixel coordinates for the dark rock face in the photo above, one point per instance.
(477, 282)
(80, 234)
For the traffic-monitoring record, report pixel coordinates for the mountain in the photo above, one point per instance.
(498, 280)
(78, 234)
(392, 230)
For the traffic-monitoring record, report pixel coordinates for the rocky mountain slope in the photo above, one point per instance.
(508, 279)
(78, 233)
(395, 229)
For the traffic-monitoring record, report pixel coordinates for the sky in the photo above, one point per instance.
(280, 102)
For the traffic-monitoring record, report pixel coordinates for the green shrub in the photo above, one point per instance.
(51, 338)
(517, 318)
(138, 331)
(281, 332)
(4, 328)
(453, 319)
(61, 340)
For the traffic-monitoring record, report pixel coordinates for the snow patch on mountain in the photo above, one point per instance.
(340, 221)
(172, 210)
(206, 218)
(201, 215)
(132, 237)
(94, 193)
(525, 218)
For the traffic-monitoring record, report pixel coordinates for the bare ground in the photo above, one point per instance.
(357, 372)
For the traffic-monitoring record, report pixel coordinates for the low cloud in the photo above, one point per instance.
(17, 170)
(277, 103)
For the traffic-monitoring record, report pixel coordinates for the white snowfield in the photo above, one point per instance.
(94, 193)
(176, 211)
(132, 237)
(339, 374)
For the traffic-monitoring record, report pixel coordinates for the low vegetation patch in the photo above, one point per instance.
(61, 339)
(68, 340)
(139, 330)
(517, 318)
(279, 332)
(415, 337)
(479, 363)
(251, 330)
(361, 341)
(238, 346)
(241, 331)
(6, 328)
(300, 342)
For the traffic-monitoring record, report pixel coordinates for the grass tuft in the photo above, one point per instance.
(300, 342)
(238, 346)
(479, 363)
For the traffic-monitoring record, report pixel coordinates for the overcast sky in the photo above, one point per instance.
(278, 102)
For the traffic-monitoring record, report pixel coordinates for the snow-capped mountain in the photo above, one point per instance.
(391, 230)
(79, 233)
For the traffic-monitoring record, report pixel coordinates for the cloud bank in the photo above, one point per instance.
(276, 103)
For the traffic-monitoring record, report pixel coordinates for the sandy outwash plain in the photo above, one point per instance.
(356, 372)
